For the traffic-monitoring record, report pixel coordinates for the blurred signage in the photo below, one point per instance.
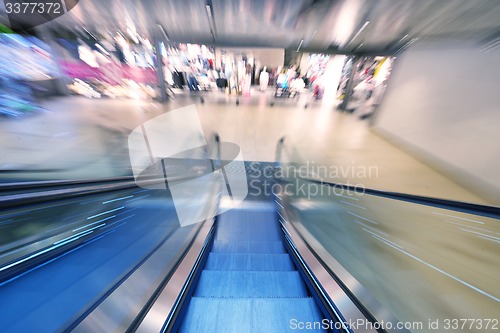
(110, 73)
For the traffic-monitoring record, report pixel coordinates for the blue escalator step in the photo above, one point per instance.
(250, 284)
(249, 262)
(248, 246)
(250, 230)
(250, 214)
(221, 315)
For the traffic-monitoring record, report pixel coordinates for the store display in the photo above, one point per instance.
(368, 86)
(26, 62)
(113, 66)
(316, 66)
(25, 58)
(189, 66)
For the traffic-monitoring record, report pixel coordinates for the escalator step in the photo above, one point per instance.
(248, 246)
(250, 284)
(267, 213)
(248, 230)
(249, 262)
(250, 315)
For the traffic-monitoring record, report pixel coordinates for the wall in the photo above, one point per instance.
(272, 58)
(443, 104)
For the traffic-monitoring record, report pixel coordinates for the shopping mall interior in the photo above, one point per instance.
(249, 166)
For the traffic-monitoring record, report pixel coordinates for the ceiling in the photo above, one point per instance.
(343, 26)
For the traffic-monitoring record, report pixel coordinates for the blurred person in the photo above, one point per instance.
(282, 79)
(264, 79)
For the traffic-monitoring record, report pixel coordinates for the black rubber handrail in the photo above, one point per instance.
(466, 207)
(54, 189)
(460, 206)
(71, 182)
(15, 200)
(56, 183)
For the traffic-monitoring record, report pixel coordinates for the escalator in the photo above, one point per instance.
(276, 262)
(249, 282)
(246, 273)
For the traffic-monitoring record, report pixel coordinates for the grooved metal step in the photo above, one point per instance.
(250, 315)
(248, 247)
(250, 284)
(248, 231)
(249, 262)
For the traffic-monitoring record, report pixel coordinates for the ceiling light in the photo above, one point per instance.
(405, 36)
(211, 21)
(91, 34)
(300, 45)
(360, 30)
(164, 32)
(406, 45)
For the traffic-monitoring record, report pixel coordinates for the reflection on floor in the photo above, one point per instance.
(82, 138)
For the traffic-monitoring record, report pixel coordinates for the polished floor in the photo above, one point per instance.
(76, 137)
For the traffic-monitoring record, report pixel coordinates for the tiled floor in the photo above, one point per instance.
(81, 138)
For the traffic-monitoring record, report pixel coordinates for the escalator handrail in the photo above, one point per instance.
(466, 207)
(80, 187)
(70, 182)
(55, 183)
(461, 206)
(14, 200)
